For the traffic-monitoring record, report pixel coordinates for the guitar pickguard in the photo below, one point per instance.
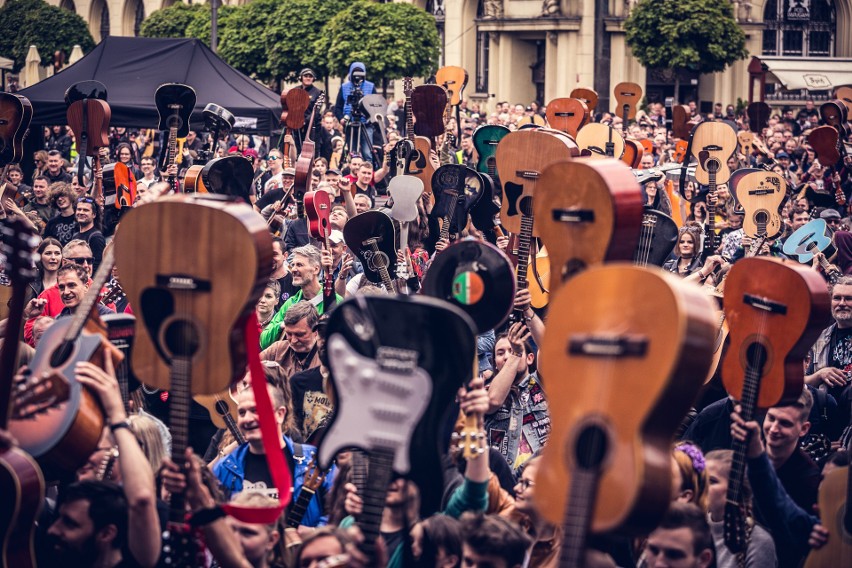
(380, 404)
(513, 192)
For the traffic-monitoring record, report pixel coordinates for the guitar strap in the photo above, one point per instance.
(279, 470)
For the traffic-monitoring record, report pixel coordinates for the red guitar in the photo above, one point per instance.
(318, 208)
(21, 480)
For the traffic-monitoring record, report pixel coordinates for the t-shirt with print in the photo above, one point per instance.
(257, 478)
(62, 228)
(841, 349)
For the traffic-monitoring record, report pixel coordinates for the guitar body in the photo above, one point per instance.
(833, 501)
(485, 140)
(419, 164)
(719, 140)
(681, 147)
(588, 96)
(12, 128)
(633, 152)
(627, 97)
(175, 103)
(317, 209)
(746, 140)
(758, 115)
(193, 182)
(370, 235)
(762, 195)
(657, 238)
(456, 189)
(594, 137)
(295, 102)
(375, 107)
(90, 117)
(587, 211)
(814, 236)
(825, 141)
(835, 113)
(538, 284)
(120, 182)
(522, 157)
(567, 115)
(182, 294)
(405, 190)
(85, 90)
(228, 175)
(221, 407)
(22, 486)
(637, 367)
(845, 94)
(428, 103)
(681, 128)
(778, 308)
(454, 80)
(485, 214)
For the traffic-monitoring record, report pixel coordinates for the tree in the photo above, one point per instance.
(34, 22)
(393, 40)
(199, 26)
(290, 35)
(172, 21)
(694, 35)
(241, 37)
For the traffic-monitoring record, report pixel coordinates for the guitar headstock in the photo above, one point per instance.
(407, 86)
(735, 527)
(471, 438)
(18, 246)
(38, 396)
(314, 476)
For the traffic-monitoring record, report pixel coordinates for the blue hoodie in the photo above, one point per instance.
(346, 89)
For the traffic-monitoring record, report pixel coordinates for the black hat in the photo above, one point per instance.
(307, 71)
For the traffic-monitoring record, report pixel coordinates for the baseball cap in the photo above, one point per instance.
(307, 71)
(780, 155)
(335, 236)
(290, 172)
(332, 171)
(829, 214)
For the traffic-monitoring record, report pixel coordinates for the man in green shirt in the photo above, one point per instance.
(305, 268)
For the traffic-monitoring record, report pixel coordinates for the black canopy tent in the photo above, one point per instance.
(132, 68)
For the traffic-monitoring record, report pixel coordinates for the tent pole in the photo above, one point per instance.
(214, 24)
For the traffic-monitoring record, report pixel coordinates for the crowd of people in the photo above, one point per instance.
(490, 511)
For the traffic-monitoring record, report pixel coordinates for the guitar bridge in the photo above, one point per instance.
(765, 304)
(186, 283)
(527, 174)
(616, 346)
(574, 215)
(396, 360)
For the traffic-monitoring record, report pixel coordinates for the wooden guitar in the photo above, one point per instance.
(395, 381)
(193, 182)
(588, 96)
(598, 220)
(633, 152)
(627, 97)
(825, 141)
(681, 126)
(15, 115)
(305, 162)
(428, 103)
(485, 141)
(89, 120)
(318, 208)
(656, 239)
(223, 413)
(775, 311)
(762, 195)
(313, 479)
(845, 94)
(371, 237)
(600, 141)
(295, 102)
(175, 103)
(454, 80)
(21, 480)
(119, 185)
(835, 506)
(758, 115)
(191, 310)
(639, 366)
(713, 143)
(567, 115)
(415, 149)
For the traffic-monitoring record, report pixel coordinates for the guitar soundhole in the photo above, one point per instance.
(181, 338)
(591, 447)
(175, 121)
(761, 217)
(61, 354)
(756, 356)
(526, 206)
(222, 408)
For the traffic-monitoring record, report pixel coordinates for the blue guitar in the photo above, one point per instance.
(808, 240)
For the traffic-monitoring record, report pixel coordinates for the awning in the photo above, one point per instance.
(812, 73)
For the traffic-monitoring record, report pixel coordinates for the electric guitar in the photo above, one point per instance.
(395, 381)
(175, 103)
(371, 237)
(21, 480)
(639, 366)
(775, 310)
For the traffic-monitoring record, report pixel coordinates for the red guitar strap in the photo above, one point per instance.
(278, 468)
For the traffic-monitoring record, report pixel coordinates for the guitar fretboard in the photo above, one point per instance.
(524, 238)
(375, 490)
(179, 401)
(578, 514)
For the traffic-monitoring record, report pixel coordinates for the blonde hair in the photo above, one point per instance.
(150, 438)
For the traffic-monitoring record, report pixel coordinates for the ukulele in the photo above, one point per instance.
(835, 506)
(485, 141)
(415, 149)
(588, 96)
(223, 413)
(775, 311)
(173, 290)
(395, 382)
(371, 237)
(305, 162)
(21, 479)
(89, 120)
(375, 108)
(639, 366)
(598, 140)
(598, 220)
(567, 115)
(762, 195)
(657, 238)
(312, 481)
(175, 103)
(713, 143)
(318, 208)
(627, 97)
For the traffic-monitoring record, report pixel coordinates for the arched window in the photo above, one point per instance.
(139, 17)
(483, 45)
(68, 5)
(799, 28)
(104, 21)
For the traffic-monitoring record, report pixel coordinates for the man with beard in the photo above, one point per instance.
(94, 518)
(298, 352)
(305, 268)
(312, 407)
(830, 365)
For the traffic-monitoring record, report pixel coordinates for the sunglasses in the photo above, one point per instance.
(81, 260)
(271, 158)
(85, 200)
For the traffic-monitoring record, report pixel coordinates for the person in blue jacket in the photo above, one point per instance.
(245, 469)
(347, 106)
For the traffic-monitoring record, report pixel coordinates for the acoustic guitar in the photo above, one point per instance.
(428, 103)
(295, 102)
(318, 209)
(775, 310)
(415, 149)
(395, 381)
(712, 144)
(305, 162)
(227, 175)
(567, 115)
(598, 140)
(598, 220)
(835, 506)
(657, 238)
(809, 239)
(456, 188)
(119, 185)
(175, 103)
(223, 413)
(627, 98)
(762, 195)
(485, 214)
(89, 120)
(85, 90)
(633, 152)
(638, 366)
(825, 140)
(193, 182)
(371, 237)
(15, 115)
(21, 480)
(681, 127)
(588, 96)
(454, 80)
(845, 94)
(758, 115)
(485, 141)
(312, 481)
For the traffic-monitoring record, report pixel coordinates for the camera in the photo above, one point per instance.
(358, 76)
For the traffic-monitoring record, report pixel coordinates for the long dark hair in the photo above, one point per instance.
(44, 244)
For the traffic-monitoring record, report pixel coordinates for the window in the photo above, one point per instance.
(799, 28)
(138, 17)
(483, 46)
(104, 20)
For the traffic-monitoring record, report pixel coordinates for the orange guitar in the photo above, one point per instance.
(567, 115)
(627, 97)
(588, 96)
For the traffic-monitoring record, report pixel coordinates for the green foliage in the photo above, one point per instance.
(393, 40)
(174, 20)
(199, 26)
(291, 33)
(241, 37)
(698, 35)
(34, 22)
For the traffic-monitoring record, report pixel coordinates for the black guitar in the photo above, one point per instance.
(457, 189)
(657, 239)
(229, 175)
(371, 237)
(174, 105)
(485, 213)
(395, 380)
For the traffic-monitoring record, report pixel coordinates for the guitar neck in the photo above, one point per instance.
(223, 411)
(383, 270)
(524, 239)
(711, 218)
(98, 190)
(172, 156)
(179, 402)
(409, 119)
(450, 215)
(9, 355)
(360, 463)
(578, 515)
(329, 297)
(375, 490)
(81, 314)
